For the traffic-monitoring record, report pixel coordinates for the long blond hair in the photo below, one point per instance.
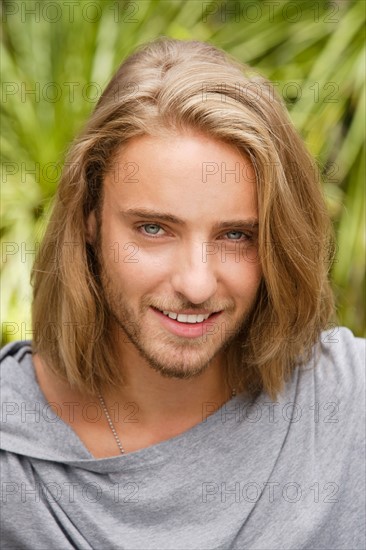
(169, 86)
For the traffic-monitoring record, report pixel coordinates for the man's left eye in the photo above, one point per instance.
(237, 235)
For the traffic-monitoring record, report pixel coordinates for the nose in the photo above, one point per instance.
(194, 275)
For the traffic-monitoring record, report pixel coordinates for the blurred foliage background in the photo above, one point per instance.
(58, 56)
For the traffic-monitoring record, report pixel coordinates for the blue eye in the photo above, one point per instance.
(151, 228)
(236, 235)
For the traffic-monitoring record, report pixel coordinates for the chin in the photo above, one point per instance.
(179, 371)
(181, 364)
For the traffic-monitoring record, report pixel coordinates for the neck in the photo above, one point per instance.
(158, 399)
(146, 410)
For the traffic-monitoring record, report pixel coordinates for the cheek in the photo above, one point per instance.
(244, 279)
(130, 271)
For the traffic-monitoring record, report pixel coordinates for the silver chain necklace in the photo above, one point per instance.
(112, 427)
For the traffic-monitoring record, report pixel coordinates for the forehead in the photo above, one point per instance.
(190, 175)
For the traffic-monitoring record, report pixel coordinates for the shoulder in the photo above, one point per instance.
(340, 358)
(16, 368)
(31, 429)
(332, 383)
(341, 344)
(15, 351)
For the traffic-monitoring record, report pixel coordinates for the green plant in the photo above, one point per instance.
(56, 61)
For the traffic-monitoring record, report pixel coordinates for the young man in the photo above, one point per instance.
(181, 390)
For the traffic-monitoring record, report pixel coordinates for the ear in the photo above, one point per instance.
(91, 227)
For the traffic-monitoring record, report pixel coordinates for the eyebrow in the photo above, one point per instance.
(146, 213)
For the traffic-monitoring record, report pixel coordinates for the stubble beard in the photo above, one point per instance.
(170, 355)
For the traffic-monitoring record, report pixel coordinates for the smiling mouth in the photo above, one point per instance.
(187, 317)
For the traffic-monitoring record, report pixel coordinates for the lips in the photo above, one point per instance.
(186, 328)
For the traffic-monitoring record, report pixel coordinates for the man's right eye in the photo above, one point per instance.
(150, 229)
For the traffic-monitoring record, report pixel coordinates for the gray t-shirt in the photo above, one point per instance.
(253, 475)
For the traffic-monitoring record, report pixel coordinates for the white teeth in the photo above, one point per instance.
(171, 315)
(184, 318)
(201, 318)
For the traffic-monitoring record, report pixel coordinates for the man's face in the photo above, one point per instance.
(178, 234)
